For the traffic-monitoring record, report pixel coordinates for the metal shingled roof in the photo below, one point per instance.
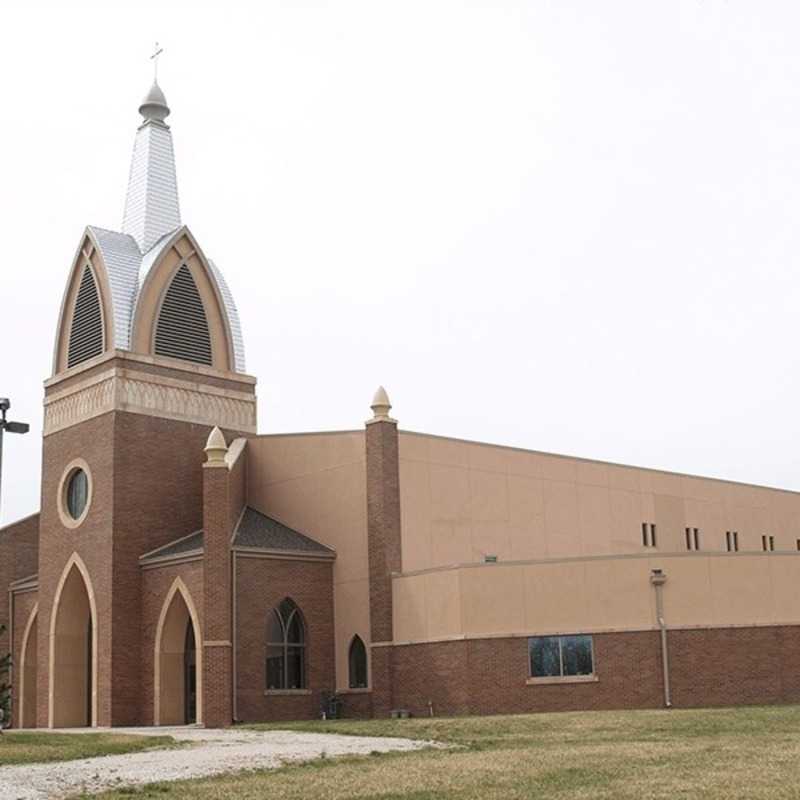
(151, 220)
(151, 204)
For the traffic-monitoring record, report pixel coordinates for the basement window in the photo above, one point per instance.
(732, 541)
(561, 656)
(648, 534)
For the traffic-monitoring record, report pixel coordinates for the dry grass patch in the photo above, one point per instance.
(751, 753)
(37, 748)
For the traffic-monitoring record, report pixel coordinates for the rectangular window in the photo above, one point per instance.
(648, 534)
(771, 542)
(798, 544)
(560, 656)
(692, 538)
(728, 541)
(734, 541)
(764, 543)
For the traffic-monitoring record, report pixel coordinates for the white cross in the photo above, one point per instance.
(154, 58)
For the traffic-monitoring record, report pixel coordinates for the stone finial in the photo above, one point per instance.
(381, 406)
(216, 449)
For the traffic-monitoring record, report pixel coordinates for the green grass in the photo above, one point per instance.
(751, 753)
(32, 748)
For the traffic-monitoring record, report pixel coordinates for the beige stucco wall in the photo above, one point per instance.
(594, 594)
(316, 483)
(464, 500)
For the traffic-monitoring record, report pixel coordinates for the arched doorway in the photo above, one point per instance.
(27, 672)
(73, 650)
(178, 669)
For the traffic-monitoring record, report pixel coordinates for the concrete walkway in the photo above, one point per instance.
(209, 752)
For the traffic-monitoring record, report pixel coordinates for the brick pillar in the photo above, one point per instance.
(383, 538)
(217, 647)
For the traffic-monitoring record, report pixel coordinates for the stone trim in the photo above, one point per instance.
(170, 561)
(142, 358)
(655, 555)
(283, 555)
(27, 584)
(120, 389)
(217, 643)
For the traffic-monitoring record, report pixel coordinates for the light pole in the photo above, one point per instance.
(11, 427)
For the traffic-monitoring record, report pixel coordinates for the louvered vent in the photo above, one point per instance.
(86, 335)
(182, 329)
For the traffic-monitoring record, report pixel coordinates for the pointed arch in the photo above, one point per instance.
(286, 647)
(168, 633)
(357, 663)
(27, 671)
(159, 272)
(67, 626)
(86, 319)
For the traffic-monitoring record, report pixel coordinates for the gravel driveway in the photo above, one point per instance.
(209, 752)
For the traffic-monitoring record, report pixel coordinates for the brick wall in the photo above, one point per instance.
(384, 550)
(24, 604)
(261, 584)
(19, 555)
(708, 667)
(156, 584)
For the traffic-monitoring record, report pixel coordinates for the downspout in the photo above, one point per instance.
(7, 722)
(233, 638)
(658, 578)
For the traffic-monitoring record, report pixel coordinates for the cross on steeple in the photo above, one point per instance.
(154, 58)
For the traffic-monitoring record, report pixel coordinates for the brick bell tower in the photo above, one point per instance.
(148, 359)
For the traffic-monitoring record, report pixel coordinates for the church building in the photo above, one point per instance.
(184, 568)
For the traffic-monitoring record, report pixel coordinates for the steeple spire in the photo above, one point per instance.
(151, 204)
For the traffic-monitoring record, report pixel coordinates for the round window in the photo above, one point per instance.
(77, 493)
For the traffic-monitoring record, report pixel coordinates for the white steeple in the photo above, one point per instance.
(151, 205)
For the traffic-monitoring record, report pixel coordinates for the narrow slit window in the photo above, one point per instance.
(798, 544)
(771, 543)
(648, 534)
(728, 541)
(736, 541)
(764, 543)
(688, 539)
(696, 533)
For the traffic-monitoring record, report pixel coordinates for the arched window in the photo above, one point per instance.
(358, 664)
(182, 327)
(86, 333)
(286, 647)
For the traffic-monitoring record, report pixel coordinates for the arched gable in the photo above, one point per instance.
(75, 562)
(86, 322)
(180, 258)
(178, 588)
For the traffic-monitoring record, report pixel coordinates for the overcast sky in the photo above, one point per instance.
(563, 226)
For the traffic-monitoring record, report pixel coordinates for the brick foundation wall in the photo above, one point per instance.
(261, 584)
(708, 667)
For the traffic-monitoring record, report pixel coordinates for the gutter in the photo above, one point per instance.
(658, 578)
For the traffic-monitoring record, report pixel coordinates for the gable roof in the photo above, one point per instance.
(257, 531)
